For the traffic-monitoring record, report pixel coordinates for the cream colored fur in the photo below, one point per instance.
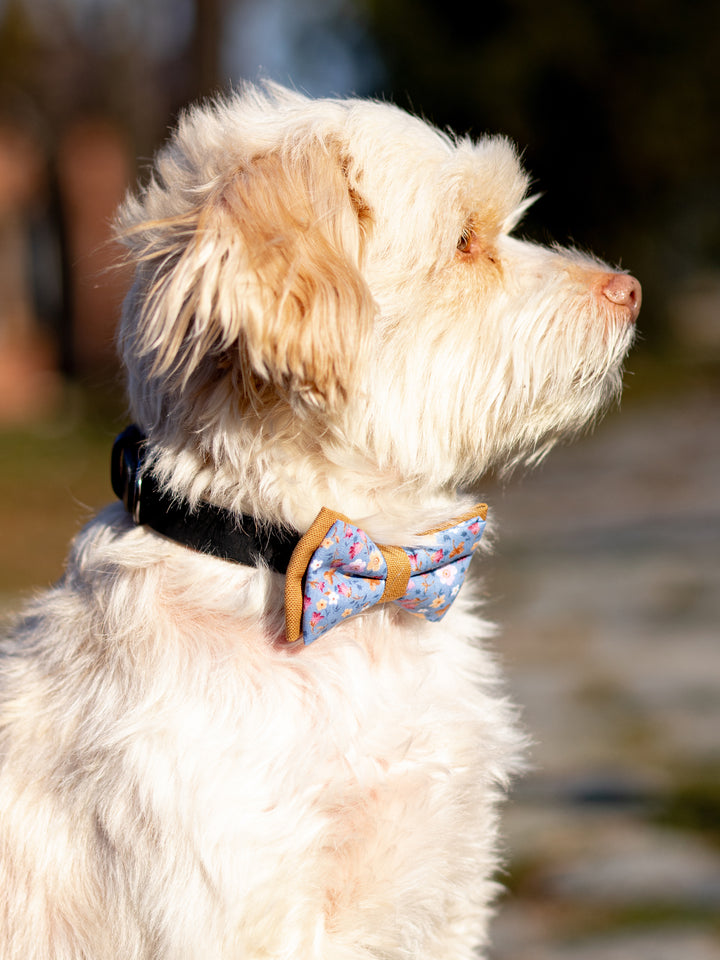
(328, 309)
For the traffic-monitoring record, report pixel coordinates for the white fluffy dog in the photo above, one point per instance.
(328, 310)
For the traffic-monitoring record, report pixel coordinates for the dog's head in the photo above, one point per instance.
(335, 282)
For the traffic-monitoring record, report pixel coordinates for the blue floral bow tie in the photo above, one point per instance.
(336, 571)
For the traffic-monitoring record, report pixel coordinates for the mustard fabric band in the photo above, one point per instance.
(297, 569)
(479, 510)
(398, 575)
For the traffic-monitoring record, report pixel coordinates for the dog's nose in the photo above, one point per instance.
(624, 290)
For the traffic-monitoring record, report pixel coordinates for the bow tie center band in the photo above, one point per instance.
(332, 572)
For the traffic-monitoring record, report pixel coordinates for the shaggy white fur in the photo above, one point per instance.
(328, 309)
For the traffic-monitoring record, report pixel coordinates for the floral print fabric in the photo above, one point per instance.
(346, 574)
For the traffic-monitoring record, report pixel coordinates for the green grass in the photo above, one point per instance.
(54, 477)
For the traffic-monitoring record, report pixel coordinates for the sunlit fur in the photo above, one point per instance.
(328, 309)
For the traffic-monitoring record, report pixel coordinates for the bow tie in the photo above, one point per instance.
(336, 572)
(332, 572)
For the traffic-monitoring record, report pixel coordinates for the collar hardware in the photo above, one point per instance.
(204, 527)
(125, 474)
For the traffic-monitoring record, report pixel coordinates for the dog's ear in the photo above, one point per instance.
(263, 276)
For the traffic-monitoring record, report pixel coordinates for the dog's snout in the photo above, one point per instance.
(625, 291)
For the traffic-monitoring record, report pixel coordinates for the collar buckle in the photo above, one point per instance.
(125, 470)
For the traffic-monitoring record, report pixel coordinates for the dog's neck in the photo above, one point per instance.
(203, 527)
(417, 577)
(180, 484)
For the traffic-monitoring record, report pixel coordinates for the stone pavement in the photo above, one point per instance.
(606, 584)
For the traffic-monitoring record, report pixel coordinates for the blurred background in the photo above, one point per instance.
(607, 576)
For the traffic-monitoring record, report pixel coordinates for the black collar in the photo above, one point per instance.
(206, 528)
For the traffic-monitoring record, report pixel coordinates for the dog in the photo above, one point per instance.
(331, 333)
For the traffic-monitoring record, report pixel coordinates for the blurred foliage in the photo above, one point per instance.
(55, 476)
(128, 60)
(614, 105)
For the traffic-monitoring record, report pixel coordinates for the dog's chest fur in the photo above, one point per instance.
(339, 793)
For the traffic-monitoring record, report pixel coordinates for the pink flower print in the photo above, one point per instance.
(344, 589)
(355, 549)
(437, 556)
(447, 574)
(315, 619)
(357, 566)
(307, 602)
(412, 557)
(474, 528)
